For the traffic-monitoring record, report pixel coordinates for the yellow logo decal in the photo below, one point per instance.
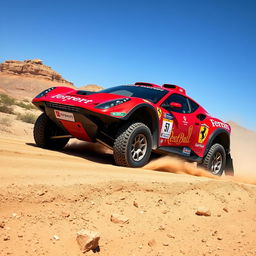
(159, 112)
(204, 129)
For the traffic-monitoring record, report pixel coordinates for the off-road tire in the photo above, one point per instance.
(44, 128)
(123, 144)
(209, 158)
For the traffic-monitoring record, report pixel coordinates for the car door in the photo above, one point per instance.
(185, 128)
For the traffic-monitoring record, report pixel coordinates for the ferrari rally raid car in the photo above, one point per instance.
(134, 120)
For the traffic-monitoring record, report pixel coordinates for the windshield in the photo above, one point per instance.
(151, 94)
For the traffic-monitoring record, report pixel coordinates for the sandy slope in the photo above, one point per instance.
(45, 193)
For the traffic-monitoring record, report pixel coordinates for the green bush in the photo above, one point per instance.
(27, 118)
(6, 100)
(6, 109)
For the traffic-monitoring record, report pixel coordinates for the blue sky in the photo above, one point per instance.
(208, 47)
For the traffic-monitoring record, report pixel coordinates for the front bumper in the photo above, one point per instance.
(87, 125)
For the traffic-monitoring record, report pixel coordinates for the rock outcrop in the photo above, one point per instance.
(91, 87)
(32, 68)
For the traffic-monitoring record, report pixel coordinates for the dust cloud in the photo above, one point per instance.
(92, 148)
(175, 165)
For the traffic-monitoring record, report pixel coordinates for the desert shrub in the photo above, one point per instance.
(6, 121)
(27, 118)
(27, 106)
(6, 109)
(6, 100)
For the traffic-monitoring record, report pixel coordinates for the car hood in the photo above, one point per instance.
(73, 98)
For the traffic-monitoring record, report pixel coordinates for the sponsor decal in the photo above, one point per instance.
(185, 122)
(166, 129)
(117, 114)
(168, 116)
(219, 124)
(67, 97)
(159, 112)
(64, 115)
(204, 129)
(197, 145)
(186, 151)
(181, 138)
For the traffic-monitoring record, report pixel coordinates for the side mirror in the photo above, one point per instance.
(175, 105)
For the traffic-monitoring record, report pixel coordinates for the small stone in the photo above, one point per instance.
(2, 224)
(7, 238)
(87, 240)
(65, 214)
(203, 211)
(14, 215)
(119, 219)
(161, 228)
(225, 209)
(171, 236)
(203, 241)
(152, 242)
(41, 193)
(165, 244)
(135, 204)
(219, 238)
(164, 212)
(122, 198)
(56, 237)
(215, 233)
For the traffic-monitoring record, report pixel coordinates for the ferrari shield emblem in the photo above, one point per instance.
(159, 112)
(204, 129)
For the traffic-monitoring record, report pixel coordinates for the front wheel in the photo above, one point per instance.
(133, 145)
(44, 129)
(215, 160)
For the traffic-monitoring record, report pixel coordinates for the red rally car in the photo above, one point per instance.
(135, 120)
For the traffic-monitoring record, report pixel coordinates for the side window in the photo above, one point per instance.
(179, 99)
(194, 106)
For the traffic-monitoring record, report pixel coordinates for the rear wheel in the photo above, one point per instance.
(215, 160)
(133, 145)
(44, 129)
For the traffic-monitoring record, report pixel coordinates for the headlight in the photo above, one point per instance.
(43, 93)
(112, 103)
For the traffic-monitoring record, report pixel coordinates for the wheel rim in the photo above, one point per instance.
(139, 147)
(216, 163)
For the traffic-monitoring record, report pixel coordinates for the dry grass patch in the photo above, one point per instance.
(27, 118)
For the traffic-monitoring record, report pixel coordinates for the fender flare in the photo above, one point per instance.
(213, 136)
(154, 121)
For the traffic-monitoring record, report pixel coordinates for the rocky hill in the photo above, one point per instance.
(25, 79)
(33, 69)
(91, 87)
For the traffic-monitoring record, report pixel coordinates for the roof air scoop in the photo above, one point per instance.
(143, 84)
(175, 87)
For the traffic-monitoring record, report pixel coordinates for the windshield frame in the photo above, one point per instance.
(146, 89)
